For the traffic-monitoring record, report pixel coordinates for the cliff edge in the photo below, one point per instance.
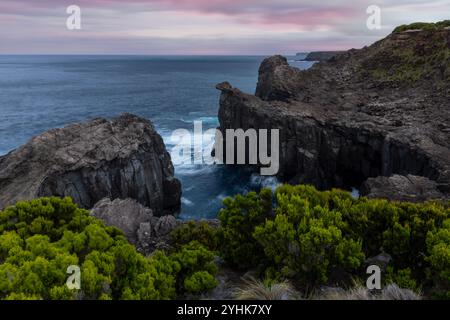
(121, 158)
(377, 111)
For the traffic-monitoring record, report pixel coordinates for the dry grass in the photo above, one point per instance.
(256, 290)
(390, 292)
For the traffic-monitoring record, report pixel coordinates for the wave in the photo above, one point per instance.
(186, 202)
(259, 181)
(194, 169)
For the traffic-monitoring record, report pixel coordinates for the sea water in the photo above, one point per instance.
(38, 93)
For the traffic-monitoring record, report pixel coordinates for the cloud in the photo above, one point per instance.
(202, 26)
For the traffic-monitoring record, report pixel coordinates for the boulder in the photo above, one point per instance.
(128, 215)
(121, 158)
(137, 222)
(402, 188)
(382, 260)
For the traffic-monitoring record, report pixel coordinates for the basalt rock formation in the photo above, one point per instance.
(122, 158)
(377, 111)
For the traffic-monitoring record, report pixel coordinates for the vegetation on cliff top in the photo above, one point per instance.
(423, 26)
(407, 61)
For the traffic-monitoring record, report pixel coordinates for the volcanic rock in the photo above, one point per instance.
(402, 188)
(121, 158)
(377, 111)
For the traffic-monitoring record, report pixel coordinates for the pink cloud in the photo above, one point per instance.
(177, 26)
(306, 14)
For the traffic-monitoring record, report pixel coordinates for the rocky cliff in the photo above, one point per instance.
(377, 111)
(122, 158)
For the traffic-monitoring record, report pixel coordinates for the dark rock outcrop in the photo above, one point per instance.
(402, 188)
(127, 215)
(89, 161)
(321, 55)
(377, 111)
(382, 260)
(137, 222)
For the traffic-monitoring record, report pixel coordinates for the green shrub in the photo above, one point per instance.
(195, 268)
(308, 233)
(238, 220)
(423, 26)
(39, 239)
(403, 278)
(306, 239)
(201, 281)
(195, 231)
(438, 243)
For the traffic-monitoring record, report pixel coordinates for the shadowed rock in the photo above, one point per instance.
(121, 158)
(137, 222)
(402, 188)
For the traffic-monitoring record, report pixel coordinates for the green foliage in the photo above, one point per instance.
(438, 243)
(40, 239)
(306, 239)
(199, 282)
(423, 26)
(195, 231)
(195, 268)
(238, 220)
(425, 57)
(307, 234)
(402, 278)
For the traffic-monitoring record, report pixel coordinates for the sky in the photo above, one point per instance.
(203, 27)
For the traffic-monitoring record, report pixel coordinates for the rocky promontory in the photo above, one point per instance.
(373, 112)
(321, 55)
(121, 158)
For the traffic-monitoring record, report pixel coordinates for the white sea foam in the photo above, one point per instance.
(269, 182)
(355, 193)
(186, 202)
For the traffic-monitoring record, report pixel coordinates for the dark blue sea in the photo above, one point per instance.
(38, 93)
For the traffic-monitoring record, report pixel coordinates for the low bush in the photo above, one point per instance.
(201, 232)
(307, 234)
(40, 239)
(196, 269)
(423, 26)
(238, 220)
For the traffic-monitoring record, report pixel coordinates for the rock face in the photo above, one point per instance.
(127, 215)
(89, 161)
(377, 111)
(402, 188)
(137, 222)
(321, 55)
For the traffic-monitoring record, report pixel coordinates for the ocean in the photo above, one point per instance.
(38, 93)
